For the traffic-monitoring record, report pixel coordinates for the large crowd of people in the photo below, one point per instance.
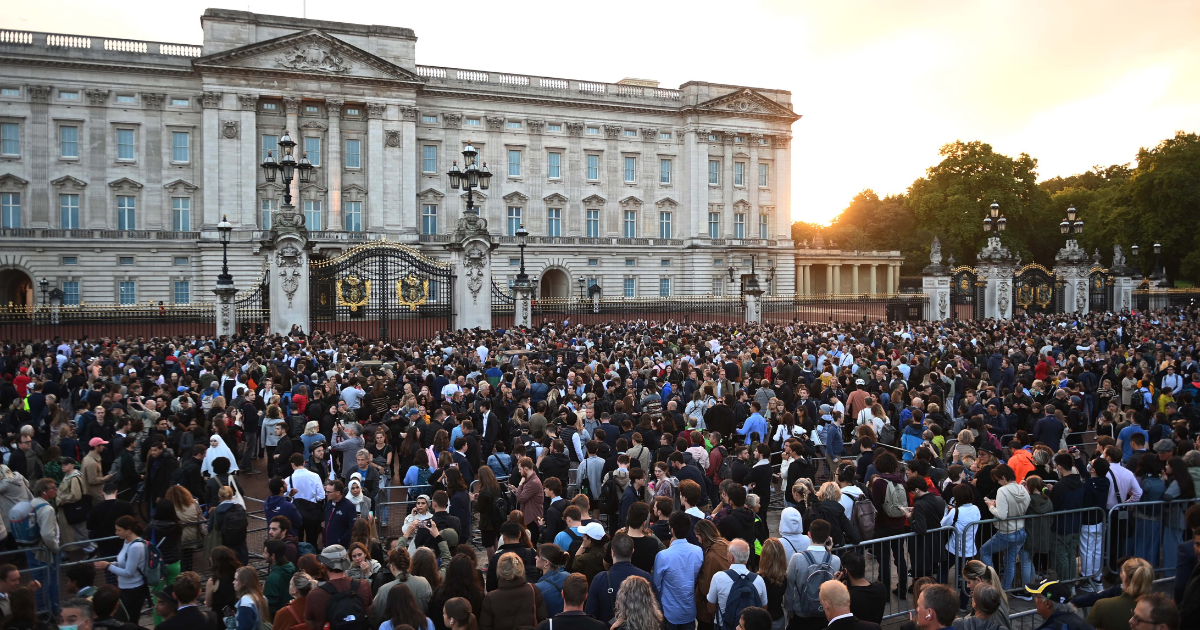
(632, 475)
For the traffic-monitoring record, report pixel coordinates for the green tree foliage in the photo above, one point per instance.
(871, 223)
(1161, 203)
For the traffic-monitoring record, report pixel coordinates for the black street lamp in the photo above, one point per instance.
(1069, 225)
(581, 288)
(522, 240)
(286, 166)
(1157, 272)
(1137, 263)
(470, 177)
(994, 218)
(45, 285)
(225, 230)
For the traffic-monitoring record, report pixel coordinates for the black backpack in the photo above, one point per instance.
(724, 471)
(345, 610)
(610, 495)
(234, 526)
(576, 543)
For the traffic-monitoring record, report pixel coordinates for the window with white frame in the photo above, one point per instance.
(183, 292)
(554, 127)
(514, 262)
(664, 135)
(593, 223)
(631, 133)
(739, 173)
(593, 131)
(664, 224)
(593, 262)
(514, 220)
(312, 215)
(593, 167)
(426, 118)
(764, 175)
(630, 170)
(514, 124)
(10, 210)
(267, 209)
(180, 102)
(739, 225)
(554, 165)
(126, 213)
(514, 163)
(270, 144)
(181, 261)
(70, 260)
(68, 211)
(10, 91)
(68, 95)
(125, 145)
(664, 171)
(10, 139)
(718, 262)
(429, 218)
(312, 149)
(429, 158)
(353, 153)
(472, 122)
(738, 140)
(665, 262)
(68, 141)
(181, 214)
(714, 172)
(712, 137)
(128, 292)
(718, 285)
(310, 108)
(70, 290)
(353, 216)
(764, 227)
(629, 287)
(664, 287)
(714, 225)
(554, 222)
(125, 261)
(180, 146)
(630, 224)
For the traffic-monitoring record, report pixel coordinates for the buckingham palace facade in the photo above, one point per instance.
(119, 157)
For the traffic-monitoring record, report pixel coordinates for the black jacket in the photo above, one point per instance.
(556, 465)
(846, 623)
(528, 556)
(553, 517)
(191, 618)
(740, 523)
(840, 527)
(193, 478)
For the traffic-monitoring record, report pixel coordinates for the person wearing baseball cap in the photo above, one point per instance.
(589, 559)
(1052, 600)
(337, 561)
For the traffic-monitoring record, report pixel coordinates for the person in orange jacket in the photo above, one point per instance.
(1021, 460)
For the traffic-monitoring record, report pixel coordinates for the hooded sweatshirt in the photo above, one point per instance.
(1011, 500)
(791, 532)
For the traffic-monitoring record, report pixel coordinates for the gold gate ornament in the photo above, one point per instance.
(412, 291)
(353, 292)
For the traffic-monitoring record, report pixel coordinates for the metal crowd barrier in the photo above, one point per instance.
(896, 556)
(1151, 530)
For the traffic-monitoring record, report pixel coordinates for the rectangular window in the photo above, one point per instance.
(181, 261)
(664, 224)
(10, 210)
(472, 122)
(631, 133)
(128, 292)
(70, 293)
(514, 163)
(739, 226)
(68, 141)
(354, 154)
(514, 220)
(739, 173)
(664, 135)
(664, 287)
(429, 158)
(126, 213)
(125, 144)
(629, 286)
(312, 215)
(665, 262)
(554, 222)
(181, 214)
(514, 262)
(555, 166)
(714, 172)
(180, 146)
(718, 262)
(183, 292)
(714, 225)
(353, 111)
(266, 210)
(630, 170)
(593, 131)
(68, 211)
(630, 230)
(68, 96)
(664, 171)
(426, 118)
(125, 261)
(353, 216)
(70, 260)
(10, 139)
(10, 91)
(554, 127)
(718, 285)
(763, 226)
(270, 144)
(312, 109)
(593, 167)
(312, 149)
(593, 223)
(593, 262)
(429, 219)
(712, 137)
(126, 98)
(180, 102)
(514, 124)
(630, 262)
(764, 175)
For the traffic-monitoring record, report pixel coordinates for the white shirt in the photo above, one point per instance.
(850, 494)
(307, 483)
(1126, 483)
(718, 589)
(482, 351)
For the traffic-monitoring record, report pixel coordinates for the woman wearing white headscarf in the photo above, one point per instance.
(355, 493)
(218, 448)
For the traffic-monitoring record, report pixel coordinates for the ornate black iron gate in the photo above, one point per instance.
(1100, 290)
(965, 300)
(384, 289)
(253, 307)
(1036, 290)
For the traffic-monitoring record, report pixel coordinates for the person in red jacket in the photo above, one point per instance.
(22, 381)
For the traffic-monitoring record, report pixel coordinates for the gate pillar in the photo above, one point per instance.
(996, 267)
(936, 284)
(522, 302)
(288, 269)
(226, 311)
(471, 255)
(1073, 268)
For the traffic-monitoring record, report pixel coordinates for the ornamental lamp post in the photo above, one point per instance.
(225, 230)
(522, 240)
(1157, 273)
(994, 218)
(470, 177)
(286, 166)
(45, 286)
(1069, 225)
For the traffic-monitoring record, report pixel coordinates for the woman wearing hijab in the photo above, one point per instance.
(218, 448)
(355, 493)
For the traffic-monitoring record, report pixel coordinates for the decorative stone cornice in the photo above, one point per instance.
(333, 107)
(314, 124)
(96, 98)
(248, 102)
(8, 179)
(408, 113)
(125, 182)
(494, 123)
(291, 104)
(391, 138)
(376, 110)
(649, 134)
(210, 100)
(613, 132)
(452, 120)
(575, 128)
(67, 180)
(183, 184)
(535, 126)
(39, 93)
(594, 201)
(755, 137)
(150, 100)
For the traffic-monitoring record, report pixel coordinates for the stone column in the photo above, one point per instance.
(226, 311)
(1072, 267)
(410, 163)
(1122, 290)
(523, 302)
(333, 164)
(874, 275)
(936, 284)
(996, 267)
(155, 213)
(753, 295)
(854, 279)
(210, 140)
(828, 278)
(695, 178)
(375, 185)
(890, 279)
(288, 266)
(781, 185)
(250, 160)
(471, 254)
(291, 106)
(837, 279)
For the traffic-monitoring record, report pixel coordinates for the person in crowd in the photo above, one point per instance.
(1113, 613)
(818, 553)
(515, 602)
(219, 592)
(835, 600)
(292, 615)
(1012, 500)
(676, 571)
(637, 608)
(868, 600)
(937, 606)
(336, 561)
(129, 564)
(277, 589)
(1155, 611)
(724, 582)
(403, 611)
(601, 601)
(251, 605)
(550, 561)
(1053, 602)
(975, 575)
(573, 615)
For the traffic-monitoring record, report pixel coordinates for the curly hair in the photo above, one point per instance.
(637, 606)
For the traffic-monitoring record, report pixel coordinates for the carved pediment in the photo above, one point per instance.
(477, 195)
(183, 184)
(631, 200)
(309, 52)
(68, 181)
(594, 200)
(666, 202)
(313, 188)
(125, 183)
(265, 187)
(10, 180)
(430, 193)
(515, 197)
(554, 198)
(741, 204)
(748, 102)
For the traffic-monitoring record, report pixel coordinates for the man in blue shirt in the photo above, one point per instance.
(1125, 436)
(675, 572)
(755, 423)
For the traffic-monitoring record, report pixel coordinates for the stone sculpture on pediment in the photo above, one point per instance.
(309, 57)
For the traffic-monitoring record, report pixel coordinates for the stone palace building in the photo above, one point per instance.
(118, 158)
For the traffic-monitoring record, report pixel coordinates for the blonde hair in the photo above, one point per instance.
(636, 605)
(510, 566)
(311, 428)
(966, 437)
(1139, 576)
(977, 570)
(830, 492)
(803, 487)
(225, 493)
(773, 564)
